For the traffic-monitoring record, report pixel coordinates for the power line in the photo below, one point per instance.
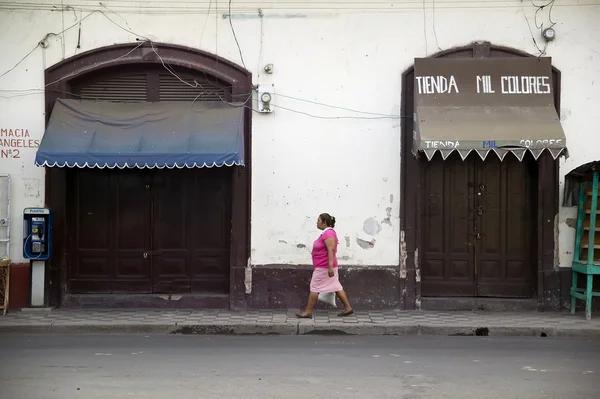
(174, 7)
(235, 36)
(35, 91)
(336, 117)
(20, 61)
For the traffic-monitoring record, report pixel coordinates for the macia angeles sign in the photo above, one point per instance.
(12, 141)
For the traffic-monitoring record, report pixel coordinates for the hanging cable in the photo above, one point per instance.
(195, 84)
(235, 36)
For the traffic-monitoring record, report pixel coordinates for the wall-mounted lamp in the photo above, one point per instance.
(549, 34)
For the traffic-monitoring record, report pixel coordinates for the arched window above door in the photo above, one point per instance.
(153, 83)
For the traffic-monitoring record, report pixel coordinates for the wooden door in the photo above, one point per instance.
(447, 225)
(170, 231)
(478, 227)
(505, 217)
(110, 230)
(191, 230)
(210, 228)
(150, 231)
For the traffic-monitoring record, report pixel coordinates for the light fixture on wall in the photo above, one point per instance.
(265, 98)
(549, 34)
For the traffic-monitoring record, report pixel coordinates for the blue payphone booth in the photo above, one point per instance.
(37, 233)
(37, 247)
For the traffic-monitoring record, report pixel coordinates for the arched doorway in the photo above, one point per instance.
(440, 209)
(173, 237)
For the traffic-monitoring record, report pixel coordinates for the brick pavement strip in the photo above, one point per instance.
(385, 322)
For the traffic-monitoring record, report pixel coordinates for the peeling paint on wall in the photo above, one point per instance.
(417, 267)
(300, 246)
(371, 227)
(32, 187)
(388, 218)
(365, 244)
(347, 238)
(556, 262)
(403, 254)
(571, 222)
(248, 278)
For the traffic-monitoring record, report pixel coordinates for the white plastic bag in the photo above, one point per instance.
(328, 298)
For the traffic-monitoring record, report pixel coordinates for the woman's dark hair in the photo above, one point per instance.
(327, 219)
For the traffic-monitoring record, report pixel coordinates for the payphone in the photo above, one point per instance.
(37, 233)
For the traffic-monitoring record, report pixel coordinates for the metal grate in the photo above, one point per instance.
(127, 88)
(173, 89)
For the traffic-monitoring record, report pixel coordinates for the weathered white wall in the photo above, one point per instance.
(350, 55)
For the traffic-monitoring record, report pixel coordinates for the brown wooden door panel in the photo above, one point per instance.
(478, 236)
(447, 265)
(179, 218)
(171, 241)
(211, 231)
(191, 233)
(131, 228)
(90, 238)
(504, 253)
(111, 234)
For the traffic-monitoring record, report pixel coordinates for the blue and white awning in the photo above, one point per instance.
(90, 134)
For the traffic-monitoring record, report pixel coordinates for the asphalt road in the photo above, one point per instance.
(287, 367)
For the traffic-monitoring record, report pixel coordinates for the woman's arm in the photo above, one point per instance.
(330, 244)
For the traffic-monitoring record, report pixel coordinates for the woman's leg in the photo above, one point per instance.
(312, 301)
(342, 296)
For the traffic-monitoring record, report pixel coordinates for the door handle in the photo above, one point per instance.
(147, 254)
(476, 235)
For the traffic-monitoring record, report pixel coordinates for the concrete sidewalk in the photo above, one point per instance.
(383, 322)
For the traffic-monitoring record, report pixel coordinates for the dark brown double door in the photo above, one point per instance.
(149, 231)
(478, 226)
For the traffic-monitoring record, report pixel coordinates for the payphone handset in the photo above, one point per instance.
(37, 235)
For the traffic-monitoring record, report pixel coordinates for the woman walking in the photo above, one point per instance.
(325, 276)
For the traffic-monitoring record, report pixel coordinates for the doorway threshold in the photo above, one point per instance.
(480, 304)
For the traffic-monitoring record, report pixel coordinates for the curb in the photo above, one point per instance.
(301, 329)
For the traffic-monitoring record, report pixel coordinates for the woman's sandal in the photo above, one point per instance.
(303, 316)
(344, 314)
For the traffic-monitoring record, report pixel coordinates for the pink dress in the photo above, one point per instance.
(321, 282)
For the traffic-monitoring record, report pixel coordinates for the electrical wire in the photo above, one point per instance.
(540, 8)
(35, 91)
(334, 106)
(205, 22)
(60, 33)
(188, 7)
(434, 30)
(335, 117)
(541, 51)
(235, 36)
(425, 29)
(20, 61)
